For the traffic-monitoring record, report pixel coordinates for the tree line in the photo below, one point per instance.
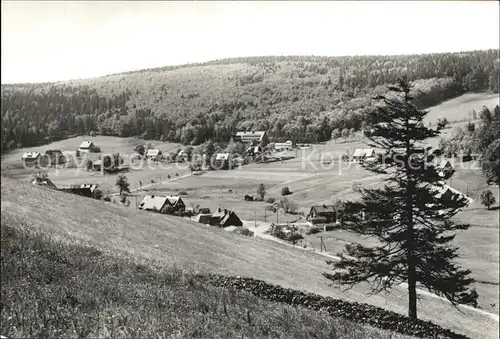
(299, 98)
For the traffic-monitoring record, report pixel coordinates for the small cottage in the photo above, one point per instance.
(362, 153)
(223, 161)
(88, 147)
(31, 158)
(86, 190)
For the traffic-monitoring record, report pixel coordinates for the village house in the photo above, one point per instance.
(88, 147)
(31, 158)
(154, 154)
(252, 138)
(86, 190)
(55, 156)
(223, 161)
(361, 154)
(322, 214)
(445, 167)
(44, 181)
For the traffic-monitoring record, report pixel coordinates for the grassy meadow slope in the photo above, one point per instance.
(172, 241)
(299, 97)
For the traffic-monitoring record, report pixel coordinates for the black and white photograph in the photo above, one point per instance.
(250, 169)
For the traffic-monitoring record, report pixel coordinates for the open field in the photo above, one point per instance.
(174, 241)
(88, 292)
(458, 109)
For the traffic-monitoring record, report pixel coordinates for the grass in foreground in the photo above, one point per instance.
(52, 289)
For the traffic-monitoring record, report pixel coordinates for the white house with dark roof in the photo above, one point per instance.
(30, 158)
(88, 147)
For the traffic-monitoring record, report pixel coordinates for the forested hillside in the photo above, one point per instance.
(303, 98)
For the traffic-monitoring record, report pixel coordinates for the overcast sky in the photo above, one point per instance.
(50, 41)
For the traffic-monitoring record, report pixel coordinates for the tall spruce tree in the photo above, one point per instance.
(408, 213)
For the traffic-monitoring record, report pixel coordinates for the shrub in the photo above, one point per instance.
(487, 198)
(176, 174)
(107, 198)
(270, 200)
(313, 230)
(285, 191)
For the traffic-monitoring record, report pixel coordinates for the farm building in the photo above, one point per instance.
(31, 158)
(162, 204)
(363, 153)
(284, 146)
(86, 190)
(223, 161)
(322, 214)
(254, 150)
(254, 138)
(445, 166)
(44, 181)
(204, 210)
(154, 154)
(88, 147)
(97, 165)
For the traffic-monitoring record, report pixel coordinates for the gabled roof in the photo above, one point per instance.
(86, 144)
(222, 156)
(30, 155)
(362, 152)
(152, 152)
(231, 219)
(151, 202)
(53, 151)
(324, 208)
